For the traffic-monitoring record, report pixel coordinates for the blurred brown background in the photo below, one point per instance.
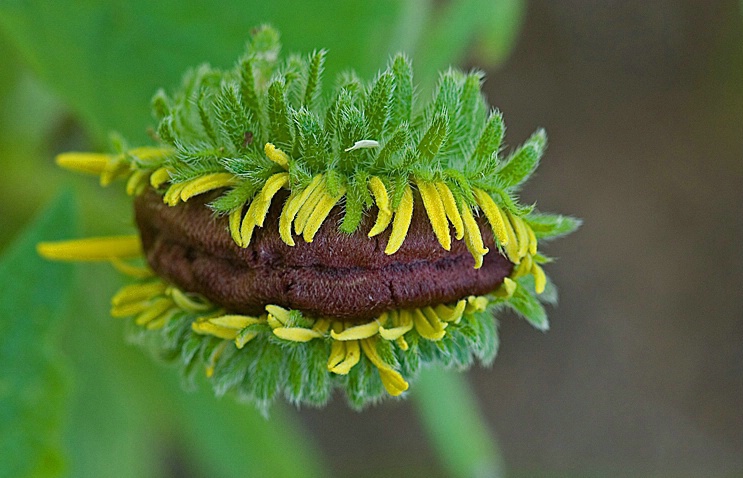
(642, 371)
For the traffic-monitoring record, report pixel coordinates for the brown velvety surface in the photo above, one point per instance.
(337, 275)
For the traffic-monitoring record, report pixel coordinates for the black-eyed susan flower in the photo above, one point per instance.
(295, 243)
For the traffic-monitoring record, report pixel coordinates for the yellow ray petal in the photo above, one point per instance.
(160, 177)
(522, 236)
(532, 239)
(129, 308)
(436, 213)
(137, 182)
(321, 326)
(395, 333)
(296, 334)
(472, 236)
(92, 249)
(393, 382)
(138, 292)
(506, 290)
(234, 321)
(401, 223)
(476, 304)
(243, 337)
(158, 307)
(512, 248)
(308, 207)
(150, 154)
(451, 314)
(357, 332)
(138, 272)
(540, 279)
(206, 183)
(89, 163)
(172, 195)
(278, 313)
(450, 207)
(524, 268)
(425, 328)
(207, 328)
(291, 207)
(344, 356)
(115, 167)
(188, 302)
(235, 219)
(379, 191)
(321, 212)
(272, 186)
(160, 321)
(212, 363)
(382, 200)
(276, 155)
(494, 215)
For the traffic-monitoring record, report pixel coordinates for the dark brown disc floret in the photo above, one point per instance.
(341, 276)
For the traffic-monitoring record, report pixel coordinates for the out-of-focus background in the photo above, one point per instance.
(641, 373)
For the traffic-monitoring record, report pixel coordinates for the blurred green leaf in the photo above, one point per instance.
(34, 294)
(108, 58)
(459, 433)
(132, 418)
(452, 29)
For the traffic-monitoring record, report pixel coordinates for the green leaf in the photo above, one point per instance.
(448, 409)
(34, 294)
(106, 59)
(451, 29)
(135, 411)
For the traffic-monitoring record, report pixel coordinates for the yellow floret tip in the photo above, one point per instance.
(450, 207)
(321, 212)
(356, 332)
(494, 215)
(296, 334)
(401, 223)
(393, 382)
(436, 213)
(206, 183)
(92, 249)
(89, 163)
(472, 236)
(276, 155)
(344, 356)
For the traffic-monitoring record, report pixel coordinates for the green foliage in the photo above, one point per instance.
(105, 58)
(450, 138)
(33, 385)
(459, 435)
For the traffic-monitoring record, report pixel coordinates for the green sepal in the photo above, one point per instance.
(551, 226)
(526, 304)
(522, 163)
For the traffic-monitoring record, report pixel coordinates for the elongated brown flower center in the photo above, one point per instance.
(347, 277)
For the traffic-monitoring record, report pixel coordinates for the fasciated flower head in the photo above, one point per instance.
(294, 243)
